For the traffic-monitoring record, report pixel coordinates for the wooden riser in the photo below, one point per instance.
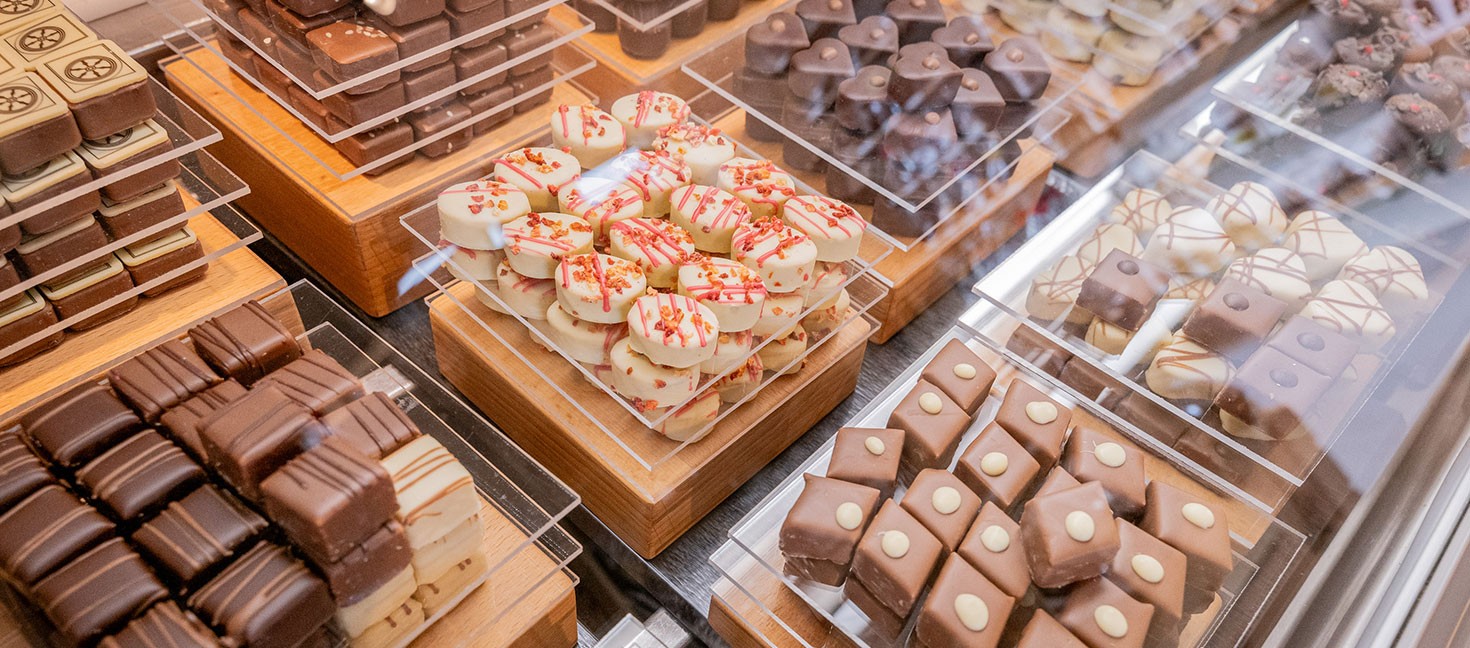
(648, 509)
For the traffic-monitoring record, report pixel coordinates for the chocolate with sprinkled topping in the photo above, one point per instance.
(192, 537)
(78, 425)
(139, 475)
(266, 599)
(1365, 53)
(45, 530)
(1421, 79)
(161, 378)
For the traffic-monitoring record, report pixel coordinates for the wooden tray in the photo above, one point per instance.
(347, 230)
(745, 623)
(647, 508)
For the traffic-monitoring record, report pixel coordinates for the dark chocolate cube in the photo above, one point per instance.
(1197, 529)
(1081, 614)
(98, 592)
(961, 375)
(254, 436)
(1271, 393)
(75, 427)
(868, 457)
(963, 609)
(924, 83)
(1070, 535)
(194, 536)
(1123, 289)
(932, 425)
(139, 475)
(1035, 421)
(993, 546)
(978, 106)
(45, 530)
(329, 499)
(821, 532)
(997, 467)
(895, 580)
(161, 378)
(245, 343)
(418, 38)
(943, 504)
(182, 422)
(445, 125)
(1037, 349)
(1092, 455)
(1317, 347)
(1234, 319)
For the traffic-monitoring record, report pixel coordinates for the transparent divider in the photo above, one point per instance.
(652, 17)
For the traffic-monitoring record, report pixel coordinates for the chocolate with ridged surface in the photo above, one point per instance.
(78, 425)
(45, 530)
(266, 599)
(374, 425)
(21, 471)
(368, 565)
(164, 625)
(329, 499)
(139, 475)
(317, 381)
(245, 343)
(769, 45)
(197, 534)
(98, 592)
(254, 436)
(182, 422)
(162, 377)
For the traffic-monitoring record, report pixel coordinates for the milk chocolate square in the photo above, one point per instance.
(78, 425)
(9, 275)
(294, 26)
(961, 374)
(418, 38)
(963, 608)
(821, 531)
(1092, 382)
(24, 471)
(20, 318)
(1056, 480)
(265, 598)
(373, 424)
(427, 83)
(317, 381)
(98, 592)
(37, 128)
(1197, 529)
(475, 22)
(476, 64)
(1317, 347)
(313, 7)
(993, 546)
(1234, 319)
(359, 108)
(107, 90)
(943, 504)
(366, 148)
(139, 145)
(445, 126)
(57, 176)
(1035, 421)
(349, 49)
(254, 436)
(532, 88)
(1093, 455)
(1152, 572)
(329, 499)
(150, 261)
(1070, 535)
(46, 530)
(1123, 289)
(105, 282)
(1100, 614)
(26, 46)
(139, 475)
(1044, 632)
(313, 111)
(997, 468)
(161, 378)
(245, 343)
(1272, 394)
(895, 558)
(124, 219)
(867, 456)
(41, 254)
(1037, 349)
(182, 422)
(932, 425)
(195, 536)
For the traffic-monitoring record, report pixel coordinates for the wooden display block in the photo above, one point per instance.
(347, 230)
(647, 508)
(749, 618)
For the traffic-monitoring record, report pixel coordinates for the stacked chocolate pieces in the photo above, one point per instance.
(78, 110)
(324, 43)
(233, 491)
(1045, 528)
(649, 35)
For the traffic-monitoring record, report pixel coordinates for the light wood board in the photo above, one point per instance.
(347, 230)
(647, 508)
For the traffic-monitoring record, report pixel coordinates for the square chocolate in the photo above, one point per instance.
(993, 546)
(139, 475)
(1153, 572)
(1270, 396)
(1100, 614)
(963, 609)
(1037, 349)
(135, 150)
(24, 471)
(823, 528)
(49, 251)
(45, 530)
(1151, 417)
(245, 343)
(1044, 632)
(476, 64)
(36, 130)
(354, 109)
(91, 287)
(182, 422)
(428, 84)
(1035, 421)
(1123, 289)
(895, 558)
(162, 377)
(349, 49)
(418, 38)
(99, 592)
(961, 375)
(445, 126)
(124, 219)
(1092, 382)
(997, 468)
(1317, 347)
(867, 456)
(476, 22)
(57, 176)
(25, 46)
(367, 148)
(1056, 480)
(1093, 455)
(266, 598)
(932, 425)
(943, 504)
(22, 317)
(254, 436)
(193, 537)
(369, 565)
(373, 424)
(329, 499)
(166, 623)
(1070, 535)
(107, 90)
(317, 381)
(1198, 530)
(1234, 319)
(73, 428)
(149, 262)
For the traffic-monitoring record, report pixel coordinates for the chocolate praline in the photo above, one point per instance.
(924, 83)
(871, 41)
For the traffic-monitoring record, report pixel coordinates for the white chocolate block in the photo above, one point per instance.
(1141, 210)
(601, 202)
(782, 256)
(591, 135)
(655, 174)
(643, 114)
(471, 214)
(1250, 215)
(462, 577)
(355, 619)
(403, 621)
(1191, 242)
(435, 492)
(1276, 271)
(432, 560)
(525, 296)
(1184, 370)
(584, 341)
(692, 421)
(736, 385)
(1323, 242)
(731, 351)
(834, 227)
(781, 314)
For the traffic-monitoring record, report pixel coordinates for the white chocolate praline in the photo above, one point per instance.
(471, 214)
(710, 215)
(1391, 273)
(1128, 59)
(1088, 8)
(598, 287)
(432, 560)
(1107, 337)
(703, 148)
(528, 297)
(1323, 242)
(741, 382)
(1106, 238)
(782, 256)
(828, 282)
(732, 349)
(584, 341)
(1153, 18)
(693, 420)
(757, 183)
(538, 172)
(1185, 371)
(780, 314)
(601, 202)
(1054, 292)
(643, 114)
(438, 595)
(1250, 215)
(823, 319)
(356, 619)
(590, 134)
(1190, 242)
(672, 330)
(783, 354)
(1352, 309)
(1141, 210)
(535, 243)
(1192, 289)
(1276, 271)
(435, 493)
(1071, 36)
(659, 247)
(732, 291)
(474, 265)
(655, 174)
(832, 225)
(653, 386)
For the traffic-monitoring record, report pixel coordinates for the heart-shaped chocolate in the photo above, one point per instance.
(978, 106)
(918, 50)
(769, 45)
(823, 18)
(862, 101)
(919, 143)
(1019, 69)
(871, 41)
(927, 82)
(816, 71)
(917, 19)
(966, 39)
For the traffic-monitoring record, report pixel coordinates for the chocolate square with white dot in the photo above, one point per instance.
(996, 467)
(1034, 420)
(867, 456)
(943, 504)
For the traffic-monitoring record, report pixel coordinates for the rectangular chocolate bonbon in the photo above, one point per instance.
(194, 536)
(101, 285)
(98, 592)
(132, 147)
(349, 49)
(316, 381)
(329, 499)
(75, 427)
(373, 425)
(20, 318)
(37, 126)
(254, 436)
(183, 422)
(107, 90)
(21, 471)
(40, 254)
(368, 565)
(53, 178)
(266, 598)
(139, 475)
(152, 260)
(124, 219)
(25, 47)
(165, 624)
(161, 378)
(824, 526)
(245, 343)
(435, 492)
(45, 530)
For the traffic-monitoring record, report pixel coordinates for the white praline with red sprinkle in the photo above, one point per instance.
(536, 243)
(590, 134)
(759, 184)
(643, 114)
(584, 341)
(656, 245)
(538, 172)
(732, 291)
(597, 287)
(471, 214)
(783, 354)
(741, 381)
(709, 214)
(782, 255)
(781, 313)
(655, 174)
(703, 148)
(832, 225)
(652, 385)
(693, 420)
(601, 202)
(528, 297)
(473, 265)
(673, 330)
(731, 350)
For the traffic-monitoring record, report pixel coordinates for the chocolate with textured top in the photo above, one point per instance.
(197, 534)
(182, 422)
(374, 425)
(1019, 69)
(317, 381)
(162, 377)
(348, 49)
(245, 343)
(329, 499)
(139, 475)
(78, 425)
(254, 436)
(45, 530)
(266, 599)
(821, 532)
(98, 592)
(21, 471)
(164, 625)
(867, 456)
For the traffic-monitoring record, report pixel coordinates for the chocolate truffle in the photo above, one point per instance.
(317, 381)
(823, 528)
(1093, 455)
(1123, 289)
(978, 106)
(254, 436)
(1035, 421)
(967, 40)
(374, 425)
(1421, 79)
(963, 609)
(78, 425)
(1152, 572)
(917, 19)
(943, 504)
(193, 536)
(1317, 347)
(769, 45)
(1198, 530)
(817, 71)
(139, 475)
(45, 530)
(961, 375)
(1270, 395)
(162, 377)
(1019, 69)
(98, 592)
(266, 598)
(871, 41)
(867, 456)
(993, 546)
(1070, 535)
(862, 101)
(329, 499)
(997, 467)
(24, 472)
(245, 343)
(924, 83)
(1234, 319)
(824, 18)
(182, 422)
(932, 425)
(1044, 632)
(165, 624)
(894, 560)
(1100, 614)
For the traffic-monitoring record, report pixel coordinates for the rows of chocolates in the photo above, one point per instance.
(233, 490)
(1045, 533)
(898, 93)
(1125, 40)
(647, 41)
(1231, 310)
(646, 249)
(324, 43)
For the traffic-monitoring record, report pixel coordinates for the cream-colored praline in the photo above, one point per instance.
(1079, 526)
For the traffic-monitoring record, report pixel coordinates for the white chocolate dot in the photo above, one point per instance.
(972, 612)
(1147, 567)
(1111, 621)
(995, 463)
(964, 371)
(1041, 412)
(945, 499)
(929, 402)
(995, 539)
(1198, 515)
(895, 544)
(1110, 454)
(1080, 526)
(874, 445)
(849, 515)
